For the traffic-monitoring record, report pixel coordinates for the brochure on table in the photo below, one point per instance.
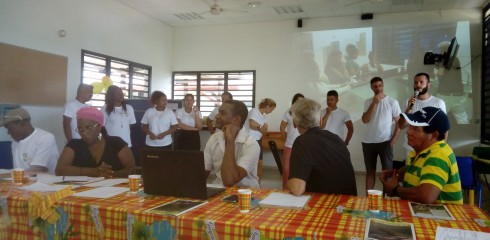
(381, 229)
(434, 211)
(176, 207)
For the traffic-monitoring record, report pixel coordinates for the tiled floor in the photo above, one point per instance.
(271, 179)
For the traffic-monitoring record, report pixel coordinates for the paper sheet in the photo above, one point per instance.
(102, 192)
(107, 182)
(443, 233)
(42, 187)
(285, 200)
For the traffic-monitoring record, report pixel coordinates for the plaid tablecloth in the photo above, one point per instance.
(124, 217)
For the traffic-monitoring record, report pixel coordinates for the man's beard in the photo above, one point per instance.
(424, 90)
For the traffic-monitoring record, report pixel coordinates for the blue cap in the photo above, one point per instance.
(429, 116)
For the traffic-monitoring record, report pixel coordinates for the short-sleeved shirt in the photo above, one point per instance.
(258, 117)
(118, 122)
(71, 108)
(246, 155)
(336, 121)
(159, 122)
(187, 118)
(437, 166)
(83, 157)
(37, 149)
(419, 104)
(322, 160)
(292, 131)
(379, 127)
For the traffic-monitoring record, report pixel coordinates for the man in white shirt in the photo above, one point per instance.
(334, 118)
(380, 112)
(231, 155)
(33, 149)
(84, 94)
(226, 96)
(421, 99)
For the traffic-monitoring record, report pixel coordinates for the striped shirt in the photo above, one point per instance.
(437, 166)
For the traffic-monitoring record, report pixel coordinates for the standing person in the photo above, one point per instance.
(225, 96)
(290, 136)
(84, 94)
(231, 155)
(320, 161)
(421, 98)
(256, 125)
(432, 175)
(33, 149)
(189, 121)
(118, 116)
(379, 113)
(334, 118)
(159, 122)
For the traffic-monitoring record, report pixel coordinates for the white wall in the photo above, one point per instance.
(270, 48)
(105, 27)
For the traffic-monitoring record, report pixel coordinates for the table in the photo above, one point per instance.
(124, 215)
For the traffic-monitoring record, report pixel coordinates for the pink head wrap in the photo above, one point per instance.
(91, 113)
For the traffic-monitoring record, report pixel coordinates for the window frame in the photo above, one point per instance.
(226, 74)
(131, 72)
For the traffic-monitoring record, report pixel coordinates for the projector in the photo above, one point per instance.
(431, 58)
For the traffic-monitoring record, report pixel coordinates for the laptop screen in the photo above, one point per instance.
(174, 173)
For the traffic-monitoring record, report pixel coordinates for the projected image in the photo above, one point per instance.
(347, 59)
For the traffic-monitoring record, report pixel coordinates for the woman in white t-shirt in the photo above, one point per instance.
(256, 125)
(159, 122)
(118, 116)
(290, 133)
(189, 122)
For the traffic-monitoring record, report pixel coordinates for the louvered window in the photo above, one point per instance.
(133, 78)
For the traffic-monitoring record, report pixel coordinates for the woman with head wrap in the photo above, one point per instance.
(96, 154)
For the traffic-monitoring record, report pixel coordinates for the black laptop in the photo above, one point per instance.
(175, 173)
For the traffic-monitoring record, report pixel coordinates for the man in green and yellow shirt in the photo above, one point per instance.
(431, 174)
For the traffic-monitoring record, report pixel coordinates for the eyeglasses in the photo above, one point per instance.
(88, 128)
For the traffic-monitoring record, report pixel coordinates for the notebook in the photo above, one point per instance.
(176, 173)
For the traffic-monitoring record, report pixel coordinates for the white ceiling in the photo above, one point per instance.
(181, 13)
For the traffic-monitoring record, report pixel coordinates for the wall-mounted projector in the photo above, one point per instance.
(446, 58)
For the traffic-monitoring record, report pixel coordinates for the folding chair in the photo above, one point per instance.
(275, 153)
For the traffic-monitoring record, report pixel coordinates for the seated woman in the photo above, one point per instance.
(96, 154)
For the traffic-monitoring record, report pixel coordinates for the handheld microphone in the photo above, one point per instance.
(415, 94)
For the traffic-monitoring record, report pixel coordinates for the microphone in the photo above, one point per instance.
(415, 94)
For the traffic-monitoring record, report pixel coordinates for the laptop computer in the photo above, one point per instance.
(177, 173)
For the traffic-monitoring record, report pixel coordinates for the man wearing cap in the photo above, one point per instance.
(84, 94)
(431, 174)
(33, 149)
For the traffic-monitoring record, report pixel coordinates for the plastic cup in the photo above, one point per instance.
(134, 183)
(18, 175)
(244, 198)
(374, 200)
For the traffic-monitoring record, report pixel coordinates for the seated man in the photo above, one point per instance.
(33, 149)
(231, 155)
(431, 174)
(320, 161)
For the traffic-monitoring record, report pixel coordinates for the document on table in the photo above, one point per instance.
(102, 192)
(285, 200)
(107, 182)
(443, 233)
(42, 187)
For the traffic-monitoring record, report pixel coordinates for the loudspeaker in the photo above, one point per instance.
(367, 16)
(300, 23)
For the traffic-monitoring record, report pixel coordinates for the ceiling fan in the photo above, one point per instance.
(216, 9)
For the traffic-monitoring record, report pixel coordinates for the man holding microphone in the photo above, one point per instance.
(420, 99)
